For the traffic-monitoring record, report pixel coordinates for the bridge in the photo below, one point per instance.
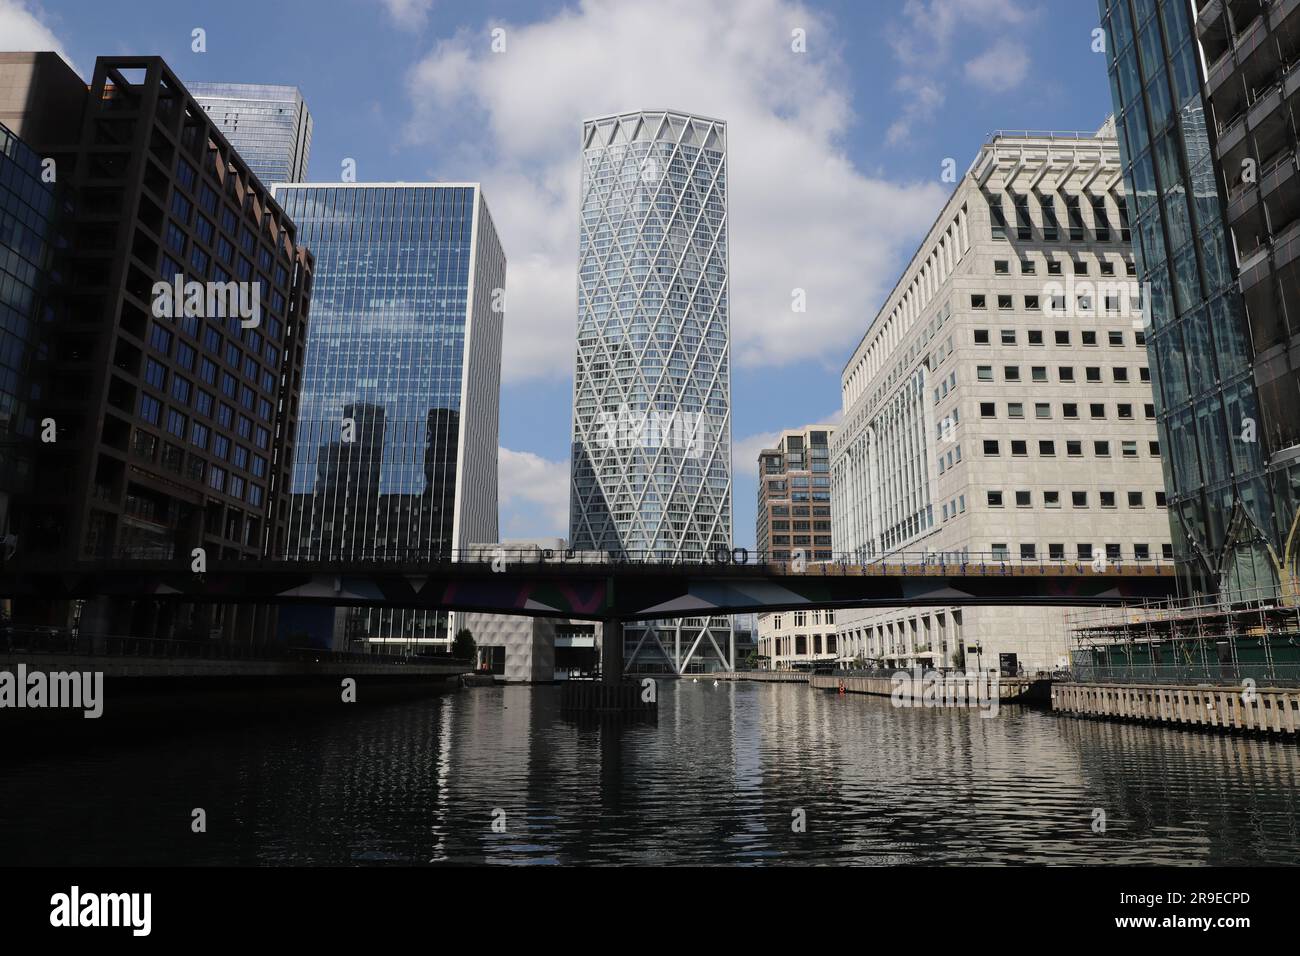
(629, 588)
(614, 590)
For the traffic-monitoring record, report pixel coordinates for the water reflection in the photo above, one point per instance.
(716, 781)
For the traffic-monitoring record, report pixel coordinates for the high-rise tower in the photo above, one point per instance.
(397, 436)
(269, 125)
(652, 389)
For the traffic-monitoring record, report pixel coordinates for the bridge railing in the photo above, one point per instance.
(63, 641)
(769, 561)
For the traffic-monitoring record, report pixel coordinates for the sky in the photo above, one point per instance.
(840, 116)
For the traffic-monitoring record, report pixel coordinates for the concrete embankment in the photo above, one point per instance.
(1009, 690)
(1260, 710)
(764, 677)
(139, 695)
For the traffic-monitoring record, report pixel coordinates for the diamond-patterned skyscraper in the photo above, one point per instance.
(652, 389)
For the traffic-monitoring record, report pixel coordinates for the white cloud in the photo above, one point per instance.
(1001, 67)
(802, 216)
(21, 30)
(408, 13)
(923, 41)
(534, 495)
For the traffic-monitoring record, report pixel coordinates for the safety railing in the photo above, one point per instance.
(15, 640)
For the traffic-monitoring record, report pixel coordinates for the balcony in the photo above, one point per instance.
(1212, 29)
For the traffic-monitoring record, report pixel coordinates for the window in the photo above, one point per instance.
(1129, 449)
(984, 373)
(160, 339)
(1062, 337)
(1116, 339)
(1056, 552)
(981, 336)
(1042, 410)
(1081, 268)
(1051, 499)
(1106, 499)
(1142, 552)
(1038, 373)
(1008, 336)
(1051, 228)
(1001, 552)
(1089, 337)
(995, 499)
(988, 410)
(1124, 409)
(1154, 448)
(1084, 552)
(1027, 266)
(991, 448)
(1097, 409)
(977, 302)
(1032, 303)
(1100, 221)
(1113, 552)
(1167, 551)
(1028, 552)
(1054, 267)
(155, 373)
(1066, 373)
(1015, 410)
(1079, 499)
(1135, 499)
(1074, 448)
(1035, 336)
(1019, 448)
(1047, 448)
(1092, 373)
(1101, 449)
(1119, 373)
(1074, 214)
(997, 217)
(1005, 302)
(1001, 267)
(1160, 499)
(150, 408)
(1011, 373)
(1024, 499)
(1070, 410)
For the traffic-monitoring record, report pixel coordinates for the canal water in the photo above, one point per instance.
(734, 774)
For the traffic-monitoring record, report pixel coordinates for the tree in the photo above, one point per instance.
(463, 647)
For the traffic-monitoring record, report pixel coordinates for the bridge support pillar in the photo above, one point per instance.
(612, 696)
(611, 651)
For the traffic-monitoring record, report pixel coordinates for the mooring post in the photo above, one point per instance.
(611, 651)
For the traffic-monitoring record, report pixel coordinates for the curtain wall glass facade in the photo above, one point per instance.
(1223, 518)
(396, 446)
(652, 389)
(269, 125)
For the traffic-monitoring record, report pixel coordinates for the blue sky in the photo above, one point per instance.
(835, 151)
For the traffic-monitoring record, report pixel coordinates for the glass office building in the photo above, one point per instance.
(28, 212)
(651, 467)
(397, 431)
(1231, 495)
(270, 126)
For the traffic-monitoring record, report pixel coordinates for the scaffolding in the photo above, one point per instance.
(1251, 636)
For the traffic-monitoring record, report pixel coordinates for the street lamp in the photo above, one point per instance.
(979, 659)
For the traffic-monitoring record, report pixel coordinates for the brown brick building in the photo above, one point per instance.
(174, 415)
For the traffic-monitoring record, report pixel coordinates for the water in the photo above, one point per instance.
(718, 781)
